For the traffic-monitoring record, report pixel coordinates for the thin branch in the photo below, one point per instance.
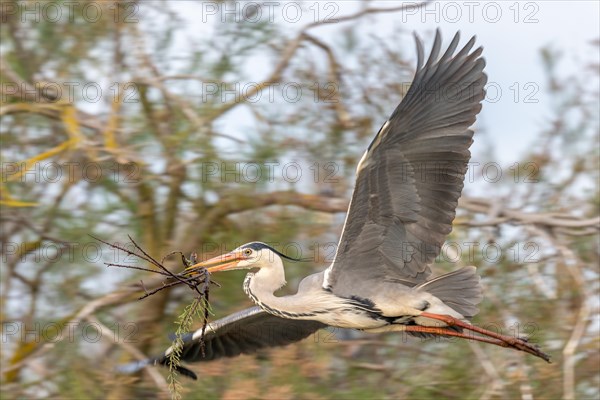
(158, 379)
(366, 11)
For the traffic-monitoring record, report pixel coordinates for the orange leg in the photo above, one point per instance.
(449, 332)
(497, 339)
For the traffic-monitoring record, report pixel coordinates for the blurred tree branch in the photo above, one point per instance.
(151, 153)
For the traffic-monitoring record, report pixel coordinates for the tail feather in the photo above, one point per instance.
(461, 290)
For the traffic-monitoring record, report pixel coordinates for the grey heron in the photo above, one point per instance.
(408, 183)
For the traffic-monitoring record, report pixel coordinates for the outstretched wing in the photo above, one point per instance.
(411, 176)
(243, 332)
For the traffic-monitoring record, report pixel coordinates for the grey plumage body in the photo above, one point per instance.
(374, 306)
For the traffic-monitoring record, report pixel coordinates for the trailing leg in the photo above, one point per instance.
(507, 341)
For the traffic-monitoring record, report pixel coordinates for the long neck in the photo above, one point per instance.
(261, 285)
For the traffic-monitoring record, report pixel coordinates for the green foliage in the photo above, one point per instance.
(184, 325)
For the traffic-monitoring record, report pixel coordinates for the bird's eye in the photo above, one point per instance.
(247, 252)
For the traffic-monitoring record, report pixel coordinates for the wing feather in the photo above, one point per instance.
(409, 180)
(244, 332)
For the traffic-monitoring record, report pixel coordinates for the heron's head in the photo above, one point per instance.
(248, 256)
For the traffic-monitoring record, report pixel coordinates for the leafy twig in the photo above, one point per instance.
(197, 279)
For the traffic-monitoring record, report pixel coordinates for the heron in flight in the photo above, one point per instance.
(408, 183)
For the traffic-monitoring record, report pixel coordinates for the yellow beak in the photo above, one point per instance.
(218, 263)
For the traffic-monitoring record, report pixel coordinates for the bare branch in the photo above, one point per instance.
(152, 371)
